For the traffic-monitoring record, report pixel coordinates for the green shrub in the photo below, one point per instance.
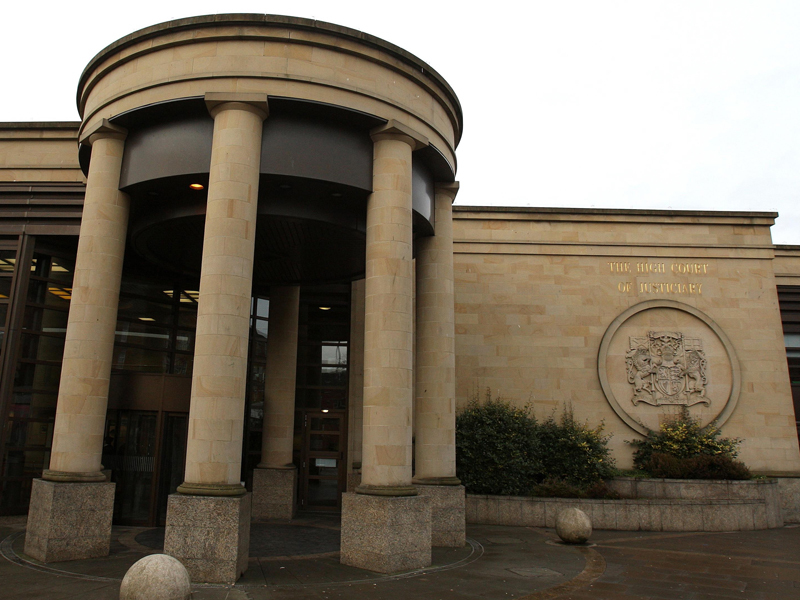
(504, 450)
(573, 452)
(497, 448)
(682, 449)
(664, 466)
(702, 466)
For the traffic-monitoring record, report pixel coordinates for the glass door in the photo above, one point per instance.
(173, 460)
(323, 469)
(130, 452)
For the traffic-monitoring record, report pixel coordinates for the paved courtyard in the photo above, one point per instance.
(300, 560)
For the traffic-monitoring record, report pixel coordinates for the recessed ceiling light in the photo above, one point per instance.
(146, 319)
(196, 186)
(324, 307)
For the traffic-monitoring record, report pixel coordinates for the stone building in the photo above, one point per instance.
(238, 288)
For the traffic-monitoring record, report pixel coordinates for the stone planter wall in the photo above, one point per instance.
(661, 505)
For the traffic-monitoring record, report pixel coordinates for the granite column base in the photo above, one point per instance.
(274, 493)
(69, 521)
(386, 534)
(210, 535)
(448, 514)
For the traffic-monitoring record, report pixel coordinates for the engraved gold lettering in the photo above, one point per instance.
(619, 267)
(689, 268)
(647, 267)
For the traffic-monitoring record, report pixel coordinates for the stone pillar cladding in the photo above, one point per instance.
(275, 479)
(434, 372)
(212, 481)
(385, 525)
(71, 507)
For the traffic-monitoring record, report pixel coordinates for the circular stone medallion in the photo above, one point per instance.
(660, 356)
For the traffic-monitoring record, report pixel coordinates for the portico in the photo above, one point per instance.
(245, 152)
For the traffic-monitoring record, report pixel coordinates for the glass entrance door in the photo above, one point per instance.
(323, 473)
(173, 460)
(130, 452)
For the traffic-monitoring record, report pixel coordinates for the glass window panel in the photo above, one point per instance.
(142, 334)
(3, 313)
(323, 492)
(61, 269)
(333, 376)
(44, 319)
(334, 355)
(183, 364)
(259, 349)
(41, 347)
(328, 331)
(792, 340)
(187, 317)
(323, 442)
(145, 310)
(21, 433)
(184, 340)
(308, 398)
(324, 467)
(50, 294)
(140, 359)
(42, 405)
(37, 376)
(40, 265)
(7, 261)
(189, 297)
(157, 291)
(333, 399)
(262, 308)
(254, 441)
(325, 423)
(5, 287)
(262, 328)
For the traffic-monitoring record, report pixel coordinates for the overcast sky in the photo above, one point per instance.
(609, 104)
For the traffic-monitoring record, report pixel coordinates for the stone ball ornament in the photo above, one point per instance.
(573, 526)
(156, 577)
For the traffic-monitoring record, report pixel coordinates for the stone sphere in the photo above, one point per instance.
(573, 526)
(156, 577)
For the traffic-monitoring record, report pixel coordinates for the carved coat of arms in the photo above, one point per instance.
(667, 368)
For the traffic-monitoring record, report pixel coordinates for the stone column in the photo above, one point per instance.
(435, 406)
(385, 525)
(275, 479)
(71, 506)
(211, 509)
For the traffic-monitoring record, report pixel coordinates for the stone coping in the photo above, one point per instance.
(675, 214)
(629, 514)
(641, 488)
(650, 505)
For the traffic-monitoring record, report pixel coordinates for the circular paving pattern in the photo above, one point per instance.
(268, 540)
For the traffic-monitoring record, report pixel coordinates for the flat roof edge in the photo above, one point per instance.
(40, 124)
(618, 211)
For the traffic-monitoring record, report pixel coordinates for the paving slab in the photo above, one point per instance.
(300, 561)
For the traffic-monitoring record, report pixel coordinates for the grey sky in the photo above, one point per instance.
(639, 104)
